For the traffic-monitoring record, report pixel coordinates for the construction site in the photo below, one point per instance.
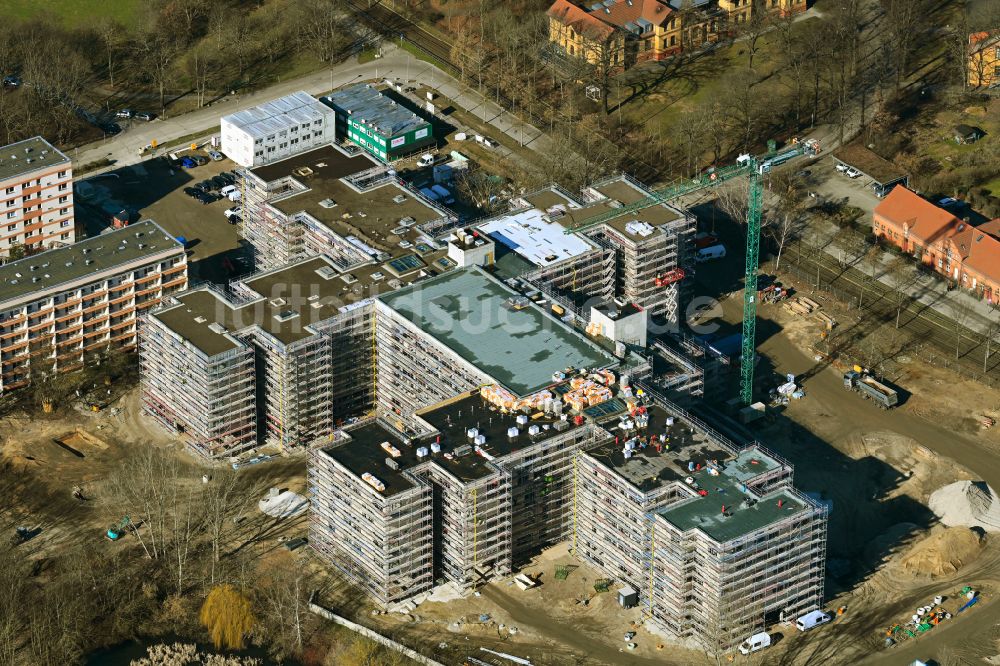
(499, 431)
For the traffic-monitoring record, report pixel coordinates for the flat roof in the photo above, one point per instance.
(453, 419)
(549, 198)
(616, 312)
(867, 162)
(744, 512)
(365, 104)
(363, 452)
(65, 265)
(28, 156)
(298, 108)
(648, 469)
(467, 311)
(535, 237)
(384, 218)
(292, 299)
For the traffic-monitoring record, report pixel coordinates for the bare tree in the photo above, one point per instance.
(156, 53)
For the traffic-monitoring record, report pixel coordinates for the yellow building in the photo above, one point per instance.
(620, 33)
(984, 59)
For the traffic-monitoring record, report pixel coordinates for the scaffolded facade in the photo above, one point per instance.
(264, 364)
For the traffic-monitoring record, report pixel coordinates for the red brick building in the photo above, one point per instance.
(967, 255)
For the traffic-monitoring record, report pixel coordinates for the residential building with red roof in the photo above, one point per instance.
(984, 59)
(620, 33)
(970, 256)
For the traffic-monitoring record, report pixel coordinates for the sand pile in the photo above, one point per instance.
(967, 504)
(944, 552)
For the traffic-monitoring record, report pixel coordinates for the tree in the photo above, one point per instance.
(113, 38)
(752, 30)
(227, 616)
(156, 52)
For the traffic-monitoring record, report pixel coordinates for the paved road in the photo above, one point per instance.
(124, 149)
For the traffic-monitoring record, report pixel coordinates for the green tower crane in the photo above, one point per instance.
(752, 168)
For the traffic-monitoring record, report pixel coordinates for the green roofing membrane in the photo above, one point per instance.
(468, 312)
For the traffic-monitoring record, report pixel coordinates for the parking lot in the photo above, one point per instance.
(832, 185)
(158, 189)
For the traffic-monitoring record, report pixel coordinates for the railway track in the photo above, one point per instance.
(392, 25)
(920, 320)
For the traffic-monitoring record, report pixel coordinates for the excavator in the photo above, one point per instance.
(117, 530)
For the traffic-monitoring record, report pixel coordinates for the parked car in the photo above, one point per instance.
(228, 176)
(188, 163)
(12, 81)
(200, 160)
(233, 212)
(145, 115)
(192, 192)
(842, 167)
(425, 160)
(208, 198)
(948, 201)
(227, 190)
(710, 252)
(218, 182)
(124, 113)
(216, 155)
(234, 219)
(812, 619)
(205, 186)
(111, 128)
(852, 173)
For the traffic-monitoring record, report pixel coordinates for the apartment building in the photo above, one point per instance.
(380, 124)
(984, 59)
(617, 34)
(62, 307)
(277, 129)
(347, 207)
(498, 431)
(36, 198)
(968, 255)
(283, 357)
(636, 253)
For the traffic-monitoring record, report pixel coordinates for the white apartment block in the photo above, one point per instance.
(61, 308)
(277, 129)
(36, 197)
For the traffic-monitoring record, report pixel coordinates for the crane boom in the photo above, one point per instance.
(751, 167)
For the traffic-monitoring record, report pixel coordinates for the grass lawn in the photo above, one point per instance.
(993, 186)
(74, 12)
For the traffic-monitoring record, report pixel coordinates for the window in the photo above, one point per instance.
(64, 223)
(63, 211)
(61, 174)
(62, 188)
(64, 236)
(11, 203)
(10, 190)
(11, 227)
(673, 40)
(10, 216)
(64, 198)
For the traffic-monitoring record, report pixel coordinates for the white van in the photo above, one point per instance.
(755, 642)
(710, 252)
(812, 619)
(425, 160)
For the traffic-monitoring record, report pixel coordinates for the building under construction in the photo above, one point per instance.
(499, 430)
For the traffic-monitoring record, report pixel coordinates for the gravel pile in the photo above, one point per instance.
(967, 504)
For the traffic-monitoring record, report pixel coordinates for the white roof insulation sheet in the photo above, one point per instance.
(533, 236)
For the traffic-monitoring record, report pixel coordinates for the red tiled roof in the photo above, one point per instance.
(623, 11)
(992, 228)
(925, 221)
(980, 40)
(577, 18)
(981, 252)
